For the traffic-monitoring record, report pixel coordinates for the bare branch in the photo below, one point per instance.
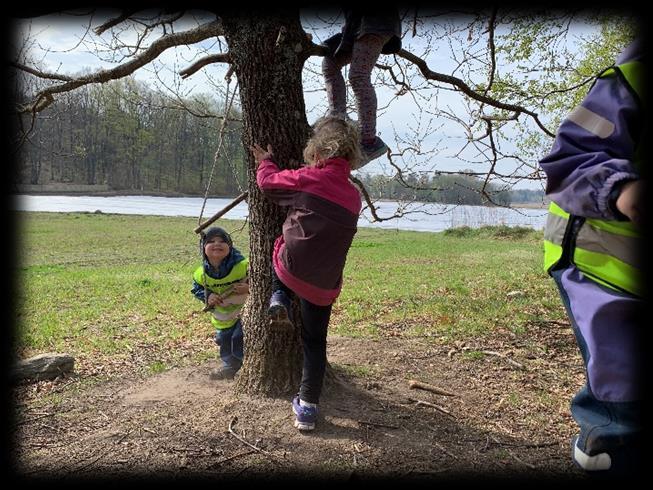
(205, 31)
(491, 27)
(463, 87)
(114, 22)
(367, 198)
(320, 50)
(41, 74)
(201, 63)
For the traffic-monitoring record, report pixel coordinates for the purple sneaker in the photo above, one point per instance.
(374, 149)
(279, 309)
(305, 417)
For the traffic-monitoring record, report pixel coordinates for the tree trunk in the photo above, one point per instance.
(266, 53)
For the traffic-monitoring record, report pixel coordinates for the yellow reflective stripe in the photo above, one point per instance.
(608, 270)
(554, 231)
(226, 314)
(557, 210)
(609, 71)
(197, 275)
(221, 325)
(237, 273)
(225, 317)
(621, 247)
(552, 253)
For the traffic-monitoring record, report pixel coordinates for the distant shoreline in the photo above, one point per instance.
(114, 194)
(530, 205)
(527, 205)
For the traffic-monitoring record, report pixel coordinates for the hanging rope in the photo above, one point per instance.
(242, 196)
(228, 103)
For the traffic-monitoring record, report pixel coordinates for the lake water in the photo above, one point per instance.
(417, 216)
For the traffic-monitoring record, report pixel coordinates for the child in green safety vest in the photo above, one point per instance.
(221, 282)
(592, 245)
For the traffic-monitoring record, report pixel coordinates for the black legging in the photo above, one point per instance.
(315, 322)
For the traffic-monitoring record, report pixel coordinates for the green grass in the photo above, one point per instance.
(101, 283)
(157, 367)
(354, 370)
(451, 284)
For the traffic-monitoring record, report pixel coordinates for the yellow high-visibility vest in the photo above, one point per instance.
(606, 251)
(224, 316)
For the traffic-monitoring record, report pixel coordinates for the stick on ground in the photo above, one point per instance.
(414, 384)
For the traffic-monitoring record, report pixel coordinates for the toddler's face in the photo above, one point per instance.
(216, 249)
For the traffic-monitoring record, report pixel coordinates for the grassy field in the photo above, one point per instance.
(108, 286)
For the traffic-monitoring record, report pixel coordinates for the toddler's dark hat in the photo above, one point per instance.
(217, 231)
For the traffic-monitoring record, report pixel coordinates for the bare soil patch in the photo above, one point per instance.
(510, 418)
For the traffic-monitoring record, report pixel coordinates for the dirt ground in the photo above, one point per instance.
(509, 418)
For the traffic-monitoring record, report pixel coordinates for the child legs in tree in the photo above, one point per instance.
(315, 322)
(364, 55)
(280, 309)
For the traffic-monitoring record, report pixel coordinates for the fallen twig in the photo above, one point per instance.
(124, 436)
(32, 419)
(512, 444)
(448, 453)
(63, 386)
(235, 456)
(413, 384)
(231, 431)
(86, 465)
(503, 356)
(432, 405)
(531, 466)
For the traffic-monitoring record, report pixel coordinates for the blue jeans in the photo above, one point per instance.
(608, 409)
(230, 342)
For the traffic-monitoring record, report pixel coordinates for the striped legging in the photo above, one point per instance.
(365, 52)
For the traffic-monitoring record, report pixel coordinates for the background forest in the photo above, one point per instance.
(129, 138)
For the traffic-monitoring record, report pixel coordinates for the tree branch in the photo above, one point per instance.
(319, 50)
(114, 22)
(39, 73)
(201, 63)
(464, 88)
(366, 196)
(205, 31)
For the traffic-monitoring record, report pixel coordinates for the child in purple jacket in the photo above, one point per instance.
(309, 256)
(592, 246)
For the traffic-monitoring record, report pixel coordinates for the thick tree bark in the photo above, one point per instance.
(267, 53)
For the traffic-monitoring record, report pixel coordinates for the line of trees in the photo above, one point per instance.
(444, 188)
(131, 138)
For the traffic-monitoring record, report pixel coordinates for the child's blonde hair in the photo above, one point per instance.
(334, 137)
